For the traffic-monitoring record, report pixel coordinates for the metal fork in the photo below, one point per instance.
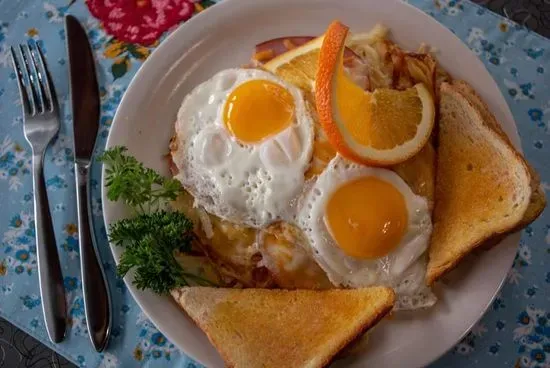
(41, 124)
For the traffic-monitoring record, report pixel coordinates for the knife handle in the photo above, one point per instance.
(52, 291)
(97, 303)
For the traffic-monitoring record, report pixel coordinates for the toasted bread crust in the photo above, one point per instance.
(474, 202)
(538, 198)
(274, 328)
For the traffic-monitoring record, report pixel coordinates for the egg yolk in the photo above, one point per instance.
(258, 109)
(366, 217)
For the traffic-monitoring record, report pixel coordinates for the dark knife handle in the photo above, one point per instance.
(94, 287)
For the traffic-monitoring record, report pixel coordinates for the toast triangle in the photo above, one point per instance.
(538, 198)
(484, 187)
(283, 328)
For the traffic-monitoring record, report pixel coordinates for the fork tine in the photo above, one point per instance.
(37, 75)
(23, 93)
(46, 78)
(30, 78)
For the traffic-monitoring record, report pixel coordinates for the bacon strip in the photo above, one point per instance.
(278, 46)
(270, 49)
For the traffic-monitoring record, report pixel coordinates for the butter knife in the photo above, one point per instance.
(86, 106)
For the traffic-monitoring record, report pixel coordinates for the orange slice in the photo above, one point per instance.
(299, 65)
(381, 128)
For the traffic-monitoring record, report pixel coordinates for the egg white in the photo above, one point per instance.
(403, 268)
(249, 184)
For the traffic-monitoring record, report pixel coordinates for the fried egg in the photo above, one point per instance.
(366, 227)
(244, 141)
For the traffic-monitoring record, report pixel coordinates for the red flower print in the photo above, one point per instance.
(140, 21)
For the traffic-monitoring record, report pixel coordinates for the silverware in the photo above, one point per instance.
(41, 125)
(85, 98)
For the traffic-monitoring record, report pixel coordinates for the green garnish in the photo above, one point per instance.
(152, 237)
(143, 189)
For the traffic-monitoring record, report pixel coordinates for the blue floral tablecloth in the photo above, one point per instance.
(515, 332)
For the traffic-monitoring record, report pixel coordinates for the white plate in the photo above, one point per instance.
(223, 37)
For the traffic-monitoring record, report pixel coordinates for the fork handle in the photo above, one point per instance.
(52, 290)
(97, 304)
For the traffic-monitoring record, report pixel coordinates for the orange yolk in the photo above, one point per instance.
(366, 217)
(258, 109)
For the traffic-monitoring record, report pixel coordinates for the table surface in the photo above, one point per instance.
(17, 349)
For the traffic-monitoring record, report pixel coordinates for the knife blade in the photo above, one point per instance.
(86, 109)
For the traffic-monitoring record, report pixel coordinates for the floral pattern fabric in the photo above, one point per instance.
(140, 21)
(515, 332)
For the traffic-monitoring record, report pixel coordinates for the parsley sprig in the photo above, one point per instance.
(142, 188)
(153, 236)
